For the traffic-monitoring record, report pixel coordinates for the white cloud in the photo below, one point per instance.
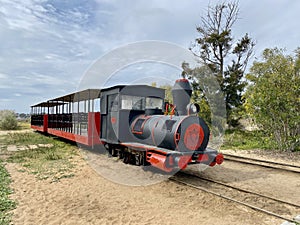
(46, 45)
(3, 76)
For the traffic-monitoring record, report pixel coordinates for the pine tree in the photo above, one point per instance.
(227, 58)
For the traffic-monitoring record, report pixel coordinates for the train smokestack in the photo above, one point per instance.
(181, 93)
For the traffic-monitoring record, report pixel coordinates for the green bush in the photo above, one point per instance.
(247, 140)
(8, 120)
(272, 99)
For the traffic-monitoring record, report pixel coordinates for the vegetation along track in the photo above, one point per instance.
(266, 204)
(263, 163)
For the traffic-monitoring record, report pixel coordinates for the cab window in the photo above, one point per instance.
(154, 103)
(132, 102)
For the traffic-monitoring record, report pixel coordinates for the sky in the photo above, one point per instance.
(48, 45)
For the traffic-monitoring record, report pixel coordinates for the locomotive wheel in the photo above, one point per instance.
(109, 149)
(139, 159)
(114, 152)
(126, 158)
(132, 159)
(121, 154)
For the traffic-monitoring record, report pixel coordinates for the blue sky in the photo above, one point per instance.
(47, 45)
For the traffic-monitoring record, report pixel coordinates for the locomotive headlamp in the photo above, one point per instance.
(192, 108)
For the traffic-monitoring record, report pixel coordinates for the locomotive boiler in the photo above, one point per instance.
(182, 132)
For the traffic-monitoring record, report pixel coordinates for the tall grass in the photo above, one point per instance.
(6, 204)
(23, 125)
(246, 140)
(27, 138)
(45, 156)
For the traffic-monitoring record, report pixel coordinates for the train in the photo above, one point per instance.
(134, 123)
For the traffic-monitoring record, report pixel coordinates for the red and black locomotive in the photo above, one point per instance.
(133, 123)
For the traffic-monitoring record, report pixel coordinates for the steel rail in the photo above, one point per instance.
(241, 189)
(258, 164)
(261, 160)
(234, 200)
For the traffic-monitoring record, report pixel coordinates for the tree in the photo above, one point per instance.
(207, 94)
(8, 120)
(272, 99)
(168, 91)
(168, 88)
(227, 58)
(22, 115)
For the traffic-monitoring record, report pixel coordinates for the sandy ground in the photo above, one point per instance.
(89, 198)
(107, 191)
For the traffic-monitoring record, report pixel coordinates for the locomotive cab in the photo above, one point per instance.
(121, 104)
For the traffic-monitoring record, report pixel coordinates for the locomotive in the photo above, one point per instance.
(134, 124)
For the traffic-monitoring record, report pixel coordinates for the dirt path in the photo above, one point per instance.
(5, 132)
(88, 198)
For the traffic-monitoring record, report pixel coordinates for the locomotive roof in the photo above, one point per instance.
(130, 86)
(88, 94)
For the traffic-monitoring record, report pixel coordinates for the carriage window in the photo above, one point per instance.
(154, 103)
(132, 102)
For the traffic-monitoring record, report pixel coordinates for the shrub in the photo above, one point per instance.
(8, 120)
(272, 99)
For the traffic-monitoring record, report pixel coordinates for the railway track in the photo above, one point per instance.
(262, 163)
(259, 202)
